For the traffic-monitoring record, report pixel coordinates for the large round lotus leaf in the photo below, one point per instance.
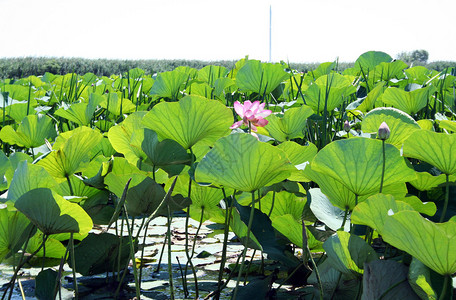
(369, 60)
(300, 156)
(373, 211)
(261, 78)
(434, 244)
(348, 253)
(192, 120)
(291, 126)
(400, 124)
(332, 89)
(241, 162)
(427, 208)
(51, 213)
(31, 133)
(409, 102)
(341, 197)
(126, 137)
(72, 154)
(437, 149)
(358, 162)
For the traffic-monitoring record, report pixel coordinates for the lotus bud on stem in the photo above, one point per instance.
(383, 131)
(347, 127)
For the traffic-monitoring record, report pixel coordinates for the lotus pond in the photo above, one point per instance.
(260, 182)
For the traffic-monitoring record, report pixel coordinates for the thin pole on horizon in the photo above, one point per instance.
(270, 27)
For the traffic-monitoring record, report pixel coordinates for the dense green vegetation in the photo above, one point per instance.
(344, 181)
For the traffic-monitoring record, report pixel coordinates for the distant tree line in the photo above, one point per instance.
(26, 66)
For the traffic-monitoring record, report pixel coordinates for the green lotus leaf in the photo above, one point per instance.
(409, 102)
(291, 126)
(73, 154)
(31, 133)
(165, 153)
(357, 163)
(210, 74)
(192, 120)
(369, 60)
(373, 211)
(240, 229)
(385, 71)
(347, 253)
(292, 230)
(400, 124)
(241, 162)
(283, 203)
(418, 74)
(144, 198)
(420, 280)
(437, 149)
(434, 244)
(448, 125)
(117, 106)
(28, 177)
(428, 208)
(127, 137)
(299, 156)
(425, 181)
(369, 103)
(79, 113)
(261, 78)
(341, 197)
(53, 247)
(169, 84)
(332, 89)
(325, 212)
(51, 213)
(386, 279)
(14, 229)
(426, 124)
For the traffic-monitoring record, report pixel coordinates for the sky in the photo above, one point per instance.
(301, 31)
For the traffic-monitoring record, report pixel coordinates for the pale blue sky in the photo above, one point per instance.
(302, 31)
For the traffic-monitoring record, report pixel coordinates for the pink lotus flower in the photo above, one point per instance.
(252, 114)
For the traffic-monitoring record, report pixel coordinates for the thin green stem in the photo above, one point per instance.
(132, 253)
(170, 270)
(345, 218)
(447, 197)
(249, 227)
(73, 263)
(383, 166)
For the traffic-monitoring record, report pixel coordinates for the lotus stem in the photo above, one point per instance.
(383, 166)
(249, 227)
(132, 253)
(170, 270)
(73, 263)
(447, 197)
(226, 230)
(345, 218)
(446, 282)
(161, 255)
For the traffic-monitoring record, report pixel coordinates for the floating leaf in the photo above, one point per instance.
(192, 120)
(437, 149)
(434, 244)
(241, 162)
(357, 163)
(400, 124)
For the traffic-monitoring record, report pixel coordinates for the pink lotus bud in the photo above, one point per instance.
(346, 126)
(383, 131)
